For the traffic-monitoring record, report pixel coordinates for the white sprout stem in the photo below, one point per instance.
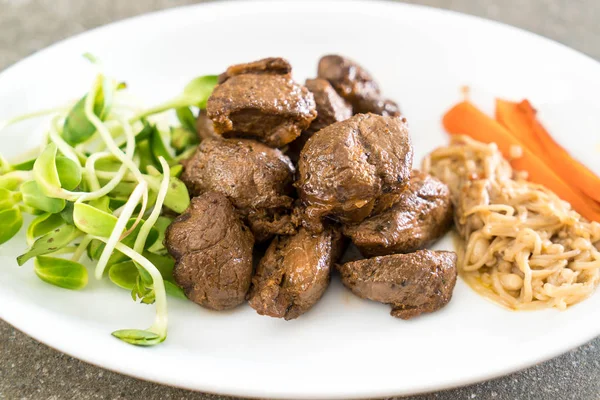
(151, 221)
(115, 178)
(110, 175)
(81, 248)
(120, 226)
(105, 133)
(140, 214)
(36, 114)
(90, 170)
(63, 146)
(160, 323)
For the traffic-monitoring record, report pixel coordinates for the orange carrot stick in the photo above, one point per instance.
(466, 119)
(519, 124)
(558, 158)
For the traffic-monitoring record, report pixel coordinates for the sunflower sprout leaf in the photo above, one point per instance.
(61, 272)
(93, 221)
(51, 242)
(78, 128)
(138, 337)
(35, 198)
(11, 222)
(69, 173)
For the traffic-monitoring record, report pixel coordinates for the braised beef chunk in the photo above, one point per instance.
(412, 284)
(354, 169)
(294, 273)
(213, 252)
(256, 178)
(356, 85)
(204, 126)
(255, 100)
(331, 108)
(272, 65)
(421, 216)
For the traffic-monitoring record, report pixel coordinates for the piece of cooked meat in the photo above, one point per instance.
(356, 85)
(421, 216)
(256, 178)
(331, 108)
(204, 127)
(354, 169)
(256, 100)
(294, 273)
(213, 252)
(272, 65)
(415, 283)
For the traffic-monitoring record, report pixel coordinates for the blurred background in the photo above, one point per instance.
(28, 25)
(29, 370)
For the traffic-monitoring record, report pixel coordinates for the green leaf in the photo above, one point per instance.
(109, 164)
(60, 272)
(10, 181)
(93, 221)
(128, 241)
(67, 213)
(11, 222)
(123, 190)
(124, 274)
(69, 173)
(174, 290)
(117, 203)
(42, 225)
(34, 197)
(77, 128)
(138, 337)
(176, 170)
(45, 172)
(94, 250)
(103, 204)
(4, 165)
(182, 139)
(195, 93)
(159, 147)
(161, 225)
(164, 264)
(144, 151)
(24, 165)
(186, 118)
(50, 242)
(143, 290)
(8, 199)
(146, 132)
(198, 90)
(178, 197)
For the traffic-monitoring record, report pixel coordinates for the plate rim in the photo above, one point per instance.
(90, 358)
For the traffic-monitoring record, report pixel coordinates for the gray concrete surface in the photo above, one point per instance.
(29, 370)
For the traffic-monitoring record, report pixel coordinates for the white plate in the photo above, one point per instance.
(345, 347)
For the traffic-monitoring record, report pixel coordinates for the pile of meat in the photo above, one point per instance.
(284, 172)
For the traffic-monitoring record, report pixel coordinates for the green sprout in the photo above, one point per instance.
(98, 186)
